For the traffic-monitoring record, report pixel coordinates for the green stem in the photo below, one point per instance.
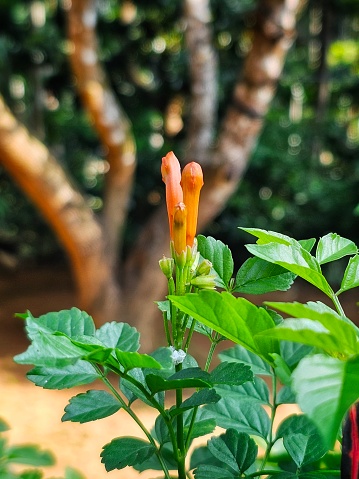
(206, 368)
(136, 419)
(337, 304)
(189, 336)
(181, 454)
(270, 441)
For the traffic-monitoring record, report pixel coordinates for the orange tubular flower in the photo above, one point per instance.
(171, 175)
(179, 228)
(192, 182)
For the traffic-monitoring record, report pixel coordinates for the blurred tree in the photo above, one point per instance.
(176, 96)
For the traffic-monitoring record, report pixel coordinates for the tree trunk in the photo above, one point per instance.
(42, 178)
(109, 120)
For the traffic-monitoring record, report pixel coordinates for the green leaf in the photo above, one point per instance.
(62, 378)
(239, 354)
(297, 423)
(255, 391)
(125, 451)
(119, 335)
(131, 360)
(235, 449)
(248, 417)
(30, 455)
(203, 396)
(292, 352)
(236, 318)
(265, 237)
(71, 473)
(321, 329)
(157, 383)
(220, 256)
(90, 406)
(231, 373)
(332, 247)
(351, 275)
(257, 276)
(326, 387)
(303, 449)
(204, 471)
(28, 474)
(71, 322)
(294, 258)
(50, 350)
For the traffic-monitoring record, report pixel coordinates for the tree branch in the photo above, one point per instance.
(110, 121)
(203, 80)
(273, 36)
(42, 178)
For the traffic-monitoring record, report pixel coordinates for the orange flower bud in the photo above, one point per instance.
(179, 228)
(192, 182)
(171, 175)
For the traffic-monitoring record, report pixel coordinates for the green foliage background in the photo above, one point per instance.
(303, 175)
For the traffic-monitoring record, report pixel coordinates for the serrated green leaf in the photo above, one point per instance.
(294, 258)
(131, 360)
(50, 350)
(351, 275)
(304, 449)
(235, 449)
(30, 455)
(203, 396)
(204, 471)
(254, 391)
(125, 451)
(62, 378)
(286, 396)
(239, 354)
(292, 352)
(28, 474)
(235, 318)
(119, 335)
(90, 406)
(157, 383)
(71, 322)
(219, 255)
(247, 417)
(257, 276)
(265, 237)
(297, 423)
(231, 373)
(324, 330)
(326, 387)
(332, 247)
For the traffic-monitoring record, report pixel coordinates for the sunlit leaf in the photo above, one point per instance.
(332, 247)
(219, 255)
(235, 318)
(351, 275)
(326, 387)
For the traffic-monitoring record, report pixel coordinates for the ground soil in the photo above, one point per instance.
(35, 414)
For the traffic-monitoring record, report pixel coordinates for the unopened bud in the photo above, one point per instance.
(204, 268)
(204, 282)
(167, 265)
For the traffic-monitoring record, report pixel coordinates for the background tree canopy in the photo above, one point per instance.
(303, 176)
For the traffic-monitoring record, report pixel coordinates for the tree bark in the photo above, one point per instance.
(109, 120)
(45, 182)
(203, 66)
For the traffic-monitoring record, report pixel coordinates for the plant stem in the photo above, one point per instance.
(270, 441)
(181, 456)
(337, 304)
(136, 419)
(211, 351)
